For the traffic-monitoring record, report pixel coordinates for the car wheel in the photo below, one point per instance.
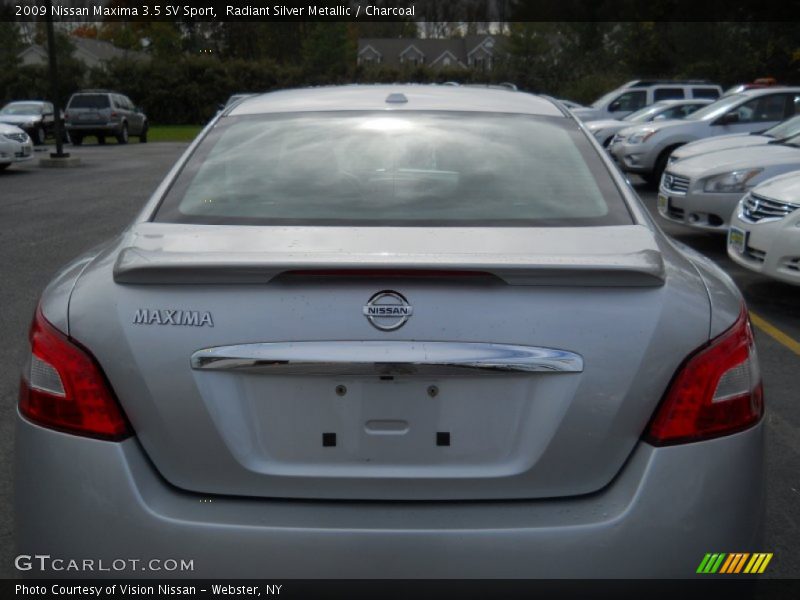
(76, 139)
(101, 139)
(4, 166)
(143, 136)
(650, 179)
(122, 138)
(40, 136)
(661, 164)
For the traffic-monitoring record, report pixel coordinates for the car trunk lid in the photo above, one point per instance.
(527, 366)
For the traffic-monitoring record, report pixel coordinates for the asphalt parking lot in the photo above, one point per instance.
(48, 216)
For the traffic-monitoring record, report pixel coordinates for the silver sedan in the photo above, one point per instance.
(392, 331)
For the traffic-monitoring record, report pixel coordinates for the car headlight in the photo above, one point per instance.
(641, 136)
(735, 181)
(19, 140)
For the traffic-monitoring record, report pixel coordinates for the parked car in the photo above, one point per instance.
(702, 191)
(35, 117)
(637, 94)
(385, 354)
(765, 229)
(605, 129)
(783, 130)
(15, 145)
(645, 149)
(103, 114)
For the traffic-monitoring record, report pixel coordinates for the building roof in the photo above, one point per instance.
(419, 97)
(392, 49)
(89, 51)
(104, 51)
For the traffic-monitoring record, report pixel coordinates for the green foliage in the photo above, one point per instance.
(195, 67)
(173, 133)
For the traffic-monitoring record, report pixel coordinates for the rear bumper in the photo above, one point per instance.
(107, 129)
(84, 499)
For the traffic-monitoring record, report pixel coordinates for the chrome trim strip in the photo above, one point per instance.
(385, 358)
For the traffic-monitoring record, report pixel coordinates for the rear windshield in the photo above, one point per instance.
(395, 168)
(89, 101)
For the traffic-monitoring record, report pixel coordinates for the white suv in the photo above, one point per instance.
(640, 93)
(644, 149)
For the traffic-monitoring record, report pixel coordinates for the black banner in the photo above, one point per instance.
(708, 589)
(501, 11)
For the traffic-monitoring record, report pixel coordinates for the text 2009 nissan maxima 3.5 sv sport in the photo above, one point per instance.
(392, 331)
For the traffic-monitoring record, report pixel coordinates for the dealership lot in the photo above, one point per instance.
(49, 216)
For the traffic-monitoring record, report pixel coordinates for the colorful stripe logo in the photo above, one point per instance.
(734, 563)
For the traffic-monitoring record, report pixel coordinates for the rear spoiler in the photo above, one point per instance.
(137, 266)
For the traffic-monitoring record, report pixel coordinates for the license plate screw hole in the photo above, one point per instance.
(328, 440)
(442, 438)
(433, 391)
(341, 390)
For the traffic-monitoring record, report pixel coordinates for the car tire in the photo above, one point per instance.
(76, 139)
(40, 136)
(122, 138)
(101, 139)
(143, 135)
(4, 166)
(661, 164)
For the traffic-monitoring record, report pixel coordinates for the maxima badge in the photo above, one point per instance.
(388, 310)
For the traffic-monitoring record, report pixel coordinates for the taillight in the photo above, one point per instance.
(717, 391)
(66, 389)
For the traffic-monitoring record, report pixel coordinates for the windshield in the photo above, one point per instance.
(784, 129)
(407, 168)
(715, 109)
(21, 109)
(792, 141)
(643, 115)
(605, 99)
(89, 101)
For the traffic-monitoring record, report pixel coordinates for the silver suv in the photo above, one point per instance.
(103, 113)
(637, 94)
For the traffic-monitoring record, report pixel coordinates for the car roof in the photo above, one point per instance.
(673, 101)
(397, 97)
(768, 90)
(644, 83)
(27, 102)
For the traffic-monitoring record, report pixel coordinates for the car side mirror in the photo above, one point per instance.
(728, 118)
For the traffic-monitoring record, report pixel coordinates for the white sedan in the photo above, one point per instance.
(765, 229)
(15, 145)
(702, 191)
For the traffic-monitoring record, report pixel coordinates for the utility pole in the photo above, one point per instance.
(51, 51)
